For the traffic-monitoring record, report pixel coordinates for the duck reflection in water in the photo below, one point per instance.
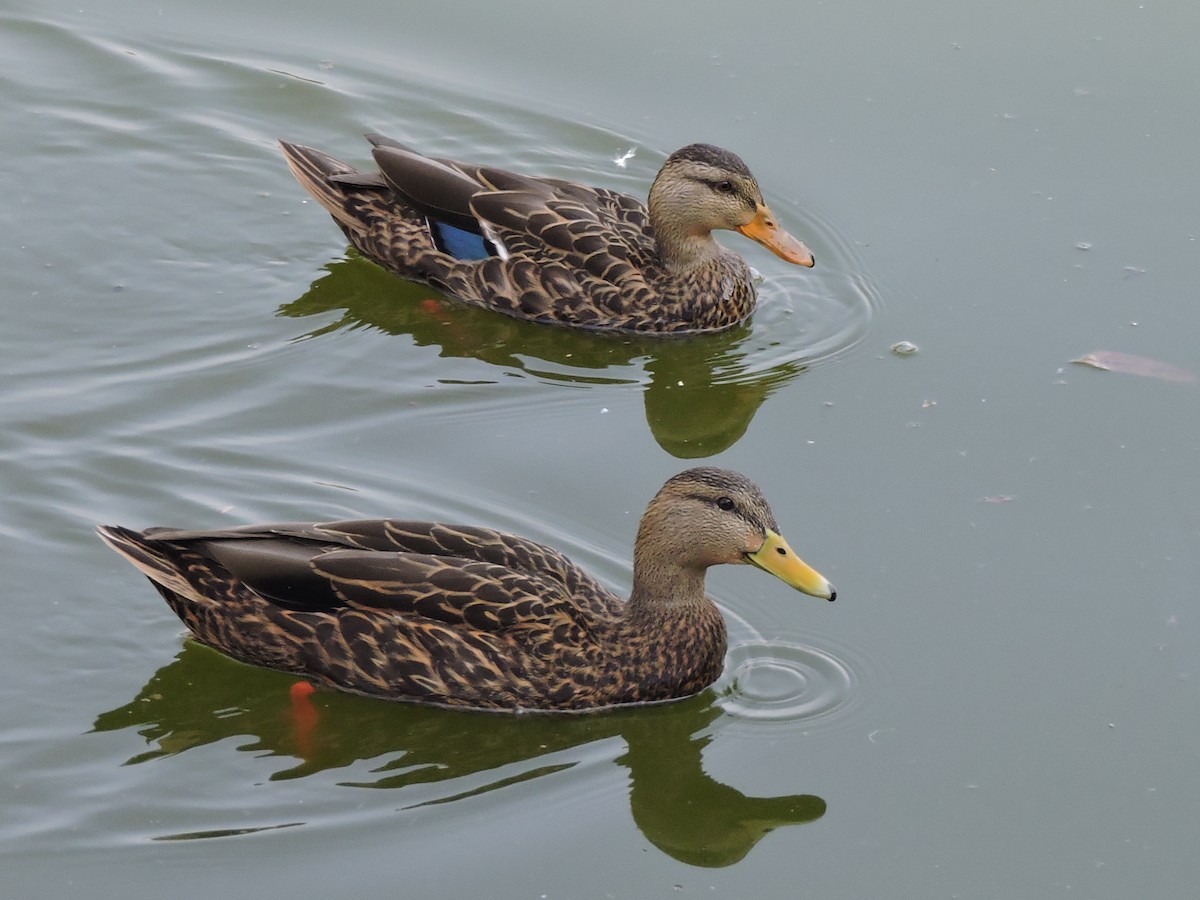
(202, 698)
(700, 396)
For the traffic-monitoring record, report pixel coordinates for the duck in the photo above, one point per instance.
(467, 616)
(553, 251)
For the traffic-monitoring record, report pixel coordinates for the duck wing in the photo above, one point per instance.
(544, 219)
(475, 596)
(458, 575)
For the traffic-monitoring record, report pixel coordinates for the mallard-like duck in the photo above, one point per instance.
(554, 251)
(470, 617)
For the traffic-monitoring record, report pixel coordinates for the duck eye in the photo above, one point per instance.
(724, 187)
(725, 503)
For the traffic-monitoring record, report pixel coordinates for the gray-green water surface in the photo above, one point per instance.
(1003, 701)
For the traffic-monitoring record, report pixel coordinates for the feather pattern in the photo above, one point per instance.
(468, 616)
(554, 251)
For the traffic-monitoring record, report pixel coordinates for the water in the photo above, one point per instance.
(1002, 701)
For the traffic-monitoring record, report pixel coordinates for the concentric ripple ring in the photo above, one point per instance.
(783, 681)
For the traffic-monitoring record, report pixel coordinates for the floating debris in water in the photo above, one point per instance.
(1129, 364)
(904, 348)
(624, 159)
(1083, 245)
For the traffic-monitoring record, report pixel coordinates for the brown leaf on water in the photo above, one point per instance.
(1116, 361)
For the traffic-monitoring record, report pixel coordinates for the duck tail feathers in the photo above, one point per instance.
(330, 181)
(142, 551)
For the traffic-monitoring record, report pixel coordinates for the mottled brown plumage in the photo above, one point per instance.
(471, 617)
(553, 251)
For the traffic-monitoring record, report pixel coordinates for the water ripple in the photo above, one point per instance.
(776, 680)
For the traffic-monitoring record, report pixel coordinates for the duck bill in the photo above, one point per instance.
(776, 557)
(765, 230)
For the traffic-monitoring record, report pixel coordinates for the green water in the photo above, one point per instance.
(1002, 703)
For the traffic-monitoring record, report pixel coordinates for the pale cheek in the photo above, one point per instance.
(723, 557)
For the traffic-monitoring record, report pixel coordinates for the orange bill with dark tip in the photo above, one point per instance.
(765, 230)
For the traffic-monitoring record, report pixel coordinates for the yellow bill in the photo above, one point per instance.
(765, 230)
(776, 557)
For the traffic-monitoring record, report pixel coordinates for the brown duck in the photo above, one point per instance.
(553, 251)
(470, 617)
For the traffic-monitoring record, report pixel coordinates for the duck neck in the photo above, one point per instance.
(681, 251)
(682, 246)
(661, 584)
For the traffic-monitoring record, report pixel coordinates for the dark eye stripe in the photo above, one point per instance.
(720, 185)
(749, 516)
